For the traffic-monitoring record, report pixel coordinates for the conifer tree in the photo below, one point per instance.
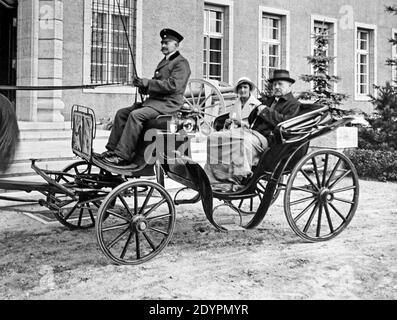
(322, 82)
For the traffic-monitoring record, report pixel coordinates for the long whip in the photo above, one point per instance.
(129, 46)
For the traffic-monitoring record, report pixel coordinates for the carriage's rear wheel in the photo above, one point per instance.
(135, 222)
(321, 195)
(77, 214)
(204, 99)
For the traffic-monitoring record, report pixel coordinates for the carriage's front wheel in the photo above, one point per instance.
(321, 195)
(77, 214)
(135, 222)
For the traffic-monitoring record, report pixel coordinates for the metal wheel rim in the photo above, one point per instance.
(321, 197)
(104, 212)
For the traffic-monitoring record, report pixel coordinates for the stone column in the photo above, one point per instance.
(27, 58)
(50, 54)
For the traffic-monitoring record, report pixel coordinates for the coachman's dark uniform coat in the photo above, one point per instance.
(165, 90)
(168, 85)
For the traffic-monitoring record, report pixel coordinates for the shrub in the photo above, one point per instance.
(383, 131)
(375, 164)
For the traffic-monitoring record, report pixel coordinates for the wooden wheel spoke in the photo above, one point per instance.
(118, 238)
(124, 252)
(189, 103)
(71, 211)
(191, 93)
(156, 206)
(337, 212)
(136, 209)
(91, 213)
(304, 211)
(149, 241)
(316, 171)
(208, 107)
(309, 179)
(344, 189)
(159, 217)
(125, 204)
(117, 215)
(340, 179)
(301, 201)
(333, 172)
(116, 227)
(325, 170)
(159, 231)
(202, 89)
(204, 102)
(138, 246)
(80, 217)
(344, 201)
(146, 200)
(331, 227)
(307, 226)
(320, 214)
(303, 190)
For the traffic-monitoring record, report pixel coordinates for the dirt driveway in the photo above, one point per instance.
(50, 262)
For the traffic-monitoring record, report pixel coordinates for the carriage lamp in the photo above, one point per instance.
(189, 125)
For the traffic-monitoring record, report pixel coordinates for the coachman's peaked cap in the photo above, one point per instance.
(171, 34)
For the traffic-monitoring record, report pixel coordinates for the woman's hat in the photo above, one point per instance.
(244, 80)
(281, 75)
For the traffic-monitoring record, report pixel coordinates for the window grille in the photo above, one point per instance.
(111, 60)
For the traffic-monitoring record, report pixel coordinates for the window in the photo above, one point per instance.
(214, 21)
(362, 75)
(322, 28)
(271, 46)
(365, 61)
(274, 43)
(326, 26)
(110, 56)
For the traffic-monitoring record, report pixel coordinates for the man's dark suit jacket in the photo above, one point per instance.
(168, 85)
(286, 108)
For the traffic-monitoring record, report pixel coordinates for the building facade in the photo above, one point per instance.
(56, 42)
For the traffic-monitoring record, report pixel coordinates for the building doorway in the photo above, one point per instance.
(8, 46)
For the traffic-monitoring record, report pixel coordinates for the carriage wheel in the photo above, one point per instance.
(78, 214)
(135, 222)
(322, 195)
(205, 99)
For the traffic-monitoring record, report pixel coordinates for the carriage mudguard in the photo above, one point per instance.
(190, 174)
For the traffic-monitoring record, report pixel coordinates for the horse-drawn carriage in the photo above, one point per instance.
(135, 215)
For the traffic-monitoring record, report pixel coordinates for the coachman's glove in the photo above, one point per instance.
(140, 83)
